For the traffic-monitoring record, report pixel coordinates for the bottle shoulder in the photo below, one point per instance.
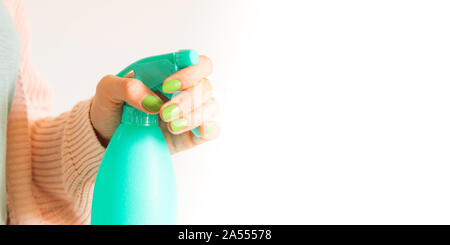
(138, 139)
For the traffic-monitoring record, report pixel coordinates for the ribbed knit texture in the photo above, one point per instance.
(51, 162)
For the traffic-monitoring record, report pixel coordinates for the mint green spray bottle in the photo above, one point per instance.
(135, 183)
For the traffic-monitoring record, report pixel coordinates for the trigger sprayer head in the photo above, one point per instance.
(185, 58)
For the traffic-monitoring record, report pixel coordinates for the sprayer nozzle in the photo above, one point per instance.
(185, 58)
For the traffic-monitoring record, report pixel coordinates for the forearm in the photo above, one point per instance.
(66, 155)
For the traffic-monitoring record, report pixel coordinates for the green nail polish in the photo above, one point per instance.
(178, 124)
(152, 103)
(208, 129)
(170, 112)
(171, 86)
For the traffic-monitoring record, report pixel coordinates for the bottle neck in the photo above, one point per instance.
(136, 117)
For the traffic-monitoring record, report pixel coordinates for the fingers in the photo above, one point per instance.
(188, 77)
(129, 90)
(186, 101)
(194, 106)
(208, 130)
(190, 120)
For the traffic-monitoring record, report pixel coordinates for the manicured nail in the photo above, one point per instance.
(208, 129)
(170, 112)
(178, 124)
(171, 86)
(152, 103)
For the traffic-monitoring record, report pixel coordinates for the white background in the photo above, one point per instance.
(333, 112)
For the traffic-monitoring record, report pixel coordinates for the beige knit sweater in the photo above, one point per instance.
(51, 162)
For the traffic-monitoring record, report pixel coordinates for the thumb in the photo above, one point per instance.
(130, 90)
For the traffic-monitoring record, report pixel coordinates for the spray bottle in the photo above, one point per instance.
(135, 183)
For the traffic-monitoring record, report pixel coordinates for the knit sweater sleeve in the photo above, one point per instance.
(65, 158)
(51, 162)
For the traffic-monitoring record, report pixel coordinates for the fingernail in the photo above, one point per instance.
(178, 124)
(171, 86)
(170, 112)
(208, 129)
(152, 103)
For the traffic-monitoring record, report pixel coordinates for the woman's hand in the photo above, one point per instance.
(193, 107)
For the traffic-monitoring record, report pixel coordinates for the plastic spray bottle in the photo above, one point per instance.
(135, 183)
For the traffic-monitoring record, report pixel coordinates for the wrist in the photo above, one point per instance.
(103, 141)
